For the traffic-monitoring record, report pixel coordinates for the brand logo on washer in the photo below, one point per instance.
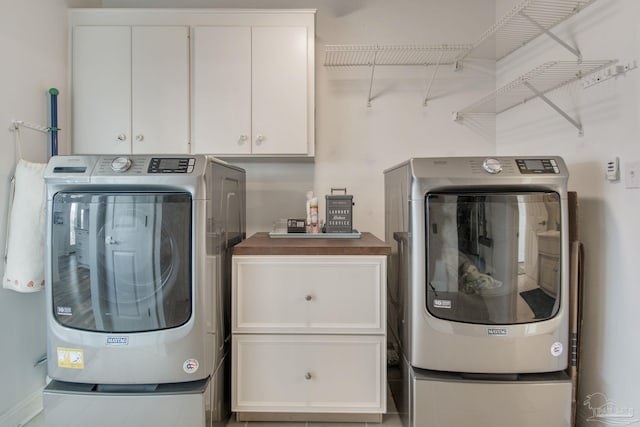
(497, 331)
(117, 341)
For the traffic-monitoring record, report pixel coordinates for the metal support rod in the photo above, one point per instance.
(576, 52)
(570, 119)
(373, 69)
(433, 77)
(53, 92)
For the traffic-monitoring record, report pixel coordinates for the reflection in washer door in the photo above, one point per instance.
(135, 273)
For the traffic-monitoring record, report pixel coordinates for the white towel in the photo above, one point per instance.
(24, 271)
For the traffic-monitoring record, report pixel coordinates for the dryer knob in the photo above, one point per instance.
(121, 164)
(492, 165)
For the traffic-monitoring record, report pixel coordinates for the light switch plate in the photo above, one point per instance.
(632, 175)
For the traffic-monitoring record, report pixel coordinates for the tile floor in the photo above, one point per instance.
(390, 419)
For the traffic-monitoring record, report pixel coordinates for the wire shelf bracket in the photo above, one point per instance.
(526, 21)
(373, 55)
(535, 84)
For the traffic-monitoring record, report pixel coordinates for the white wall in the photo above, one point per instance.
(33, 42)
(608, 212)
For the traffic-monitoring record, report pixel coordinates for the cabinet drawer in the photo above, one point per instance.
(312, 373)
(549, 242)
(549, 273)
(313, 294)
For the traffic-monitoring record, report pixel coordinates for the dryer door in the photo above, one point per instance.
(493, 258)
(127, 264)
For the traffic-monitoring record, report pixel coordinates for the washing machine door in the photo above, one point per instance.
(121, 261)
(493, 258)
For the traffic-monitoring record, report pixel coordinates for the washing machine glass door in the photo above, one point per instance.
(493, 258)
(121, 262)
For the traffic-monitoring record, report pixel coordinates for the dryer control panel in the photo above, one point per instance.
(171, 164)
(537, 166)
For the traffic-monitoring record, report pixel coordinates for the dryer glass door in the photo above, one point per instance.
(493, 258)
(121, 262)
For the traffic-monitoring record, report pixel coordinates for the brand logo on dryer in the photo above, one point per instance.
(120, 340)
(497, 331)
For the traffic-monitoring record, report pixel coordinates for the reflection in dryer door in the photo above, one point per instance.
(479, 247)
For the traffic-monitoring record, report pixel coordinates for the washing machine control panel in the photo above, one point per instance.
(171, 165)
(537, 166)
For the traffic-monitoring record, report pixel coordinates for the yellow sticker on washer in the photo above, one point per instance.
(70, 358)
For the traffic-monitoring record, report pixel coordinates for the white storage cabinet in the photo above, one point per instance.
(309, 337)
(130, 89)
(253, 88)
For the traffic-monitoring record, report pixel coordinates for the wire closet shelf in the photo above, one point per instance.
(536, 84)
(381, 54)
(376, 54)
(528, 20)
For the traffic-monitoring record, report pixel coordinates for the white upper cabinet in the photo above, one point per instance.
(130, 89)
(228, 82)
(253, 90)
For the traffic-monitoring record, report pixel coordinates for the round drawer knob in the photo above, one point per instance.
(307, 376)
(308, 298)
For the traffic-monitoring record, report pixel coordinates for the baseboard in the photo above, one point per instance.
(24, 411)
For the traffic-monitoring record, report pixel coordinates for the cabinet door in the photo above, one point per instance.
(160, 89)
(101, 96)
(279, 90)
(222, 90)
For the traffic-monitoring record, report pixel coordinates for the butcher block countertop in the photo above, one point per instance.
(262, 244)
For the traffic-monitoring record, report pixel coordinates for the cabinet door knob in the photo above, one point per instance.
(122, 137)
(242, 139)
(259, 138)
(139, 137)
(308, 298)
(307, 376)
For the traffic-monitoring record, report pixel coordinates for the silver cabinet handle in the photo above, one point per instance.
(109, 240)
(259, 138)
(242, 139)
(307, 376)
(139, 137)
(122, 137)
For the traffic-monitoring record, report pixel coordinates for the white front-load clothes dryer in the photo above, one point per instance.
(479, 273)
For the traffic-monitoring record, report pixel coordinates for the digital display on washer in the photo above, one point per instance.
(537, 166)
(171, 165)
(69, 169)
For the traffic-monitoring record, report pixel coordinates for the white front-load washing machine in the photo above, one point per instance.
(138, 288)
